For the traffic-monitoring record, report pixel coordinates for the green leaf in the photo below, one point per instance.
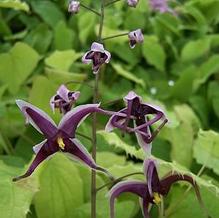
(48, 11)
(15, 4)
(128, 75)
(63, 36)
(195, 49)
(16, 197)
(153, 52)
(62, 60)
(17, 64)
(61, 189)
(86, 24)
(206, 149)
(40, 38)
(208, 68)
(189, 206)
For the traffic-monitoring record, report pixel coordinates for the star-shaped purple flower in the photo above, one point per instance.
(74, 6)
(138, 112)
(64, 99)
(152, 191)
(135, 37)
(58, 138)
(97, 55)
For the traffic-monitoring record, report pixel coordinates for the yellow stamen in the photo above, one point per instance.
(61, 143)
(157, 198)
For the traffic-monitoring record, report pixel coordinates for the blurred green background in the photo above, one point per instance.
(177, 68)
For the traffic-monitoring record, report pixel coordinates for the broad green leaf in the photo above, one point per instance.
(208, 68)
(164, 166)
(206, 149)
(40, 38)
(62, 60)
(63, 36)
(114, 140)
(48, 11)
(17, 64)
(61, 188)
(15, 4)
(183, 87)
(189, 206)
(122, 72)
(181, 138)
(16, 197)
(153, 52)
(86, 25)
(195, 49)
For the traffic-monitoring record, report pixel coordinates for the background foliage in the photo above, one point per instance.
(177, 67)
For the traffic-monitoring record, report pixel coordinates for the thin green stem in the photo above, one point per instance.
(115, 36)
(84, 136)
(111, 3)
(118, 180)
(82, 83)
(90, 9)
(94, 128)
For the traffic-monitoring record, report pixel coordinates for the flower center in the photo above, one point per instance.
(157, 198)
(61, 143)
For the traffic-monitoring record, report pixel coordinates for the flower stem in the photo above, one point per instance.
(94, 128)
(118, 180)
(111, 2)
(115, 36)
(90, 9)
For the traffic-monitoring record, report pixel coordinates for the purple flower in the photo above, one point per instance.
(58, 138)
(161, 6)
(152, 191)
(74, 7)
(137, 112)
(135, 37)
(64, 99)
(132, 3)
(97, 55)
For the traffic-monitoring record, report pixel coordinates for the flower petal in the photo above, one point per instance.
(42, 155)
(79, 152)
(37, 118)
(97, 47)
(51, 102)
(136, 187)
(63, 92)
(73, 118)
(144, 203)
(150, 170)
(37, 147)
(85, 59)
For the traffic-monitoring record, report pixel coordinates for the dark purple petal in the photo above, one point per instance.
(73, 118)
(38, 119)
(153, 181)
(144, 203)
(45, 152)
(135, 187)
(79, 152)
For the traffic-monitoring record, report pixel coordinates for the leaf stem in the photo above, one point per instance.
(115, 36)
(111, 2)
(90, 9)
(118, 180)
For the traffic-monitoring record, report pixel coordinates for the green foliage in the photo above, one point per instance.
(176, 68)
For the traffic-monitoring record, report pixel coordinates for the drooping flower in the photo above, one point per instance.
(132, 3)
(97, 55)
(74, 6)
(137, 112)
(161, 6)
(152, 191)
(135, 37)
(58, 138)
(64, 99)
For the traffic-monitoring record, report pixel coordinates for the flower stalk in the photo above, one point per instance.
(115, 36)
(94, 128)
(90, 9)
